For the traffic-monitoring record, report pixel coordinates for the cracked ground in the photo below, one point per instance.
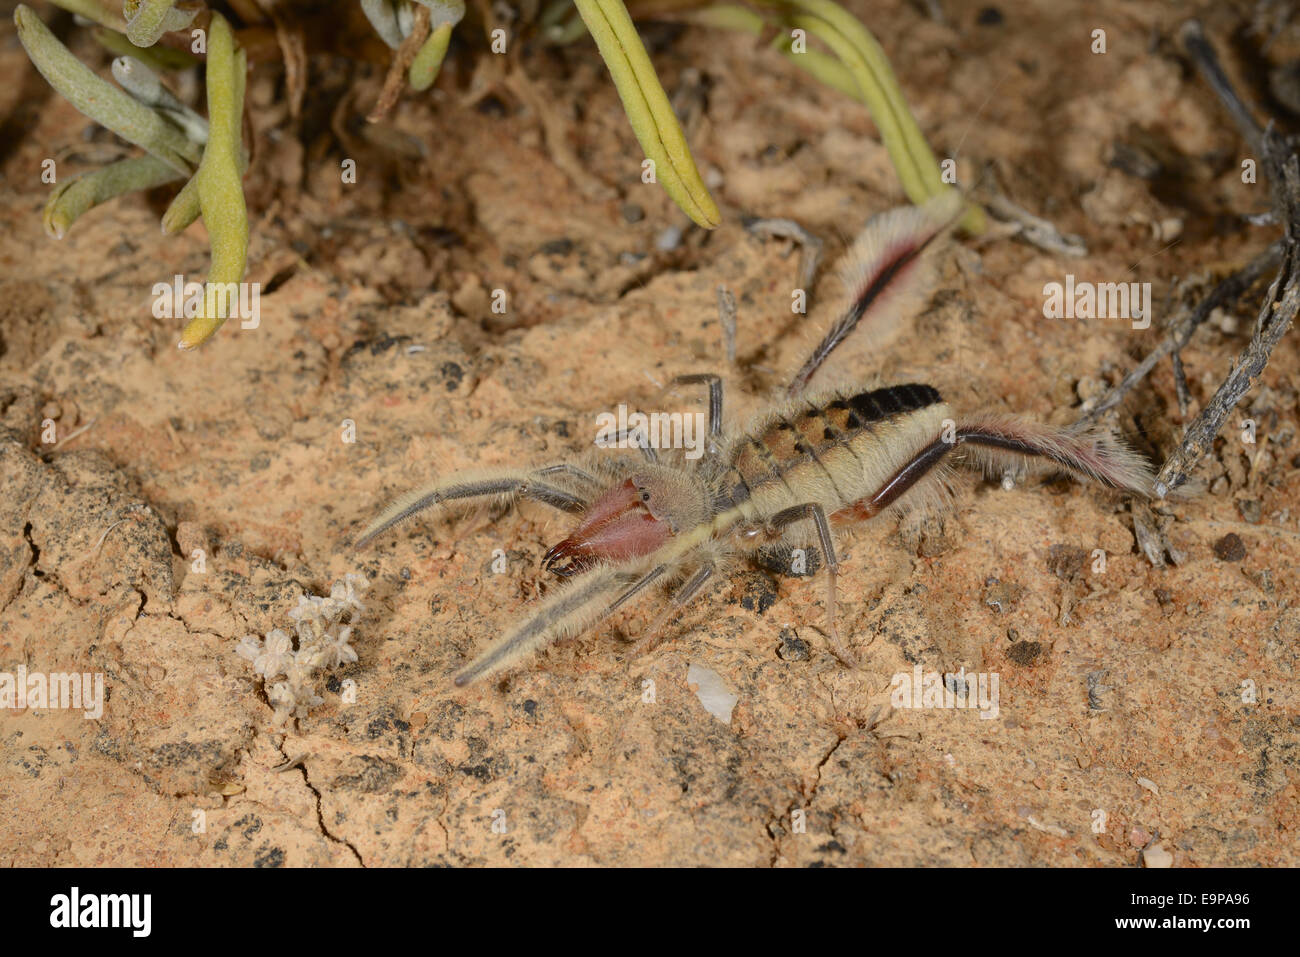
(1121, 686)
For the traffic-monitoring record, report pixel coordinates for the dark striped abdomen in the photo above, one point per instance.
(821, 444)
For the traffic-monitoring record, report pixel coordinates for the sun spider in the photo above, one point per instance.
(819, 457)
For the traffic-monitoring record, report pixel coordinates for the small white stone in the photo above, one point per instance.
(669, 239)
(712, 692)
(1157, 856)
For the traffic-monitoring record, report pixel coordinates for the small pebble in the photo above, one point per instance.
(1223, 320)
(714, 695)
(669, 239)
(1230, 548)
(557, 247)
(1157, 856)
(1067, 562)
(1135, 161)
(792, 647)
(1170, 228)
(1089, 388)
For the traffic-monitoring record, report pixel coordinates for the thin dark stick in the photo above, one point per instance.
(1283, 302)
(1203, 55)
(1274, 320)
(1230, 290)
(727, 319)
(1180, 384)
(402, 58)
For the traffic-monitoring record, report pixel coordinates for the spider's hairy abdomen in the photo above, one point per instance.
(833, 447)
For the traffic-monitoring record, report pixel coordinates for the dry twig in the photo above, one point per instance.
(1282, 169)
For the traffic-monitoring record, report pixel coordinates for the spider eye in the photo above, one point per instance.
(645, 496)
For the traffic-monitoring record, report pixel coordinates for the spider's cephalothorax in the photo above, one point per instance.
(821, 456)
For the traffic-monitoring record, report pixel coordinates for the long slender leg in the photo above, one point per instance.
(715, 400)
(900, 482)
(644, 582)
(1001, 440)
(566, 611)
(812, 511)
(510, 482)
(681, 598)
(642, 443)
(885, 267)
(564, 468)
(570, 610)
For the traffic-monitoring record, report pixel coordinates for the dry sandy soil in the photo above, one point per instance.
(1122, 733)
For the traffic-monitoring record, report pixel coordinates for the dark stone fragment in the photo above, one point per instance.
(1230, 548)
(1025, 652)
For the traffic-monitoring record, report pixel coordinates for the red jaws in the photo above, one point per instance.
(616, 527)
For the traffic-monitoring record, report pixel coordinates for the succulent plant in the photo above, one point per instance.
(209, 157)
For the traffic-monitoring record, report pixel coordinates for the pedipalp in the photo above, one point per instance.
(505, 483)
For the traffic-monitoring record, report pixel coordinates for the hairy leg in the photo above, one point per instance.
(640, 585)
(573, 472)
(898, 484)
(642, 443)
(567, 611)
(681, 598)
(715, 401)
(884, 272)
(1001, 441)
(1004, 441)
(813, 512)
(502, 483)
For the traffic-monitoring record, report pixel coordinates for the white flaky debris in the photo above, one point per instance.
(712, 692)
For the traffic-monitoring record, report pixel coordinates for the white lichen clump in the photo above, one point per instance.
(324, 629)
